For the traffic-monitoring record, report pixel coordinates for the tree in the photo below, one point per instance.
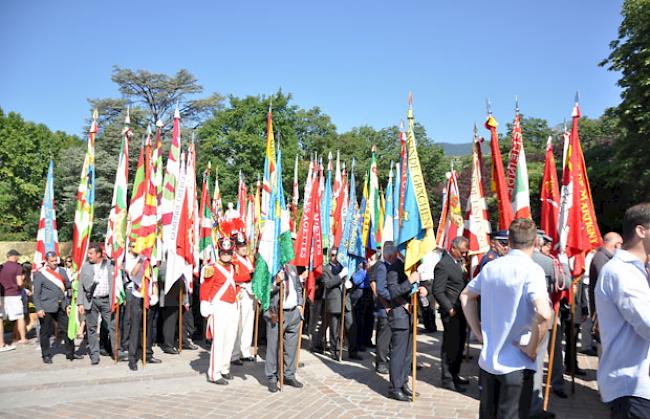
(630, 56)
(25, 151)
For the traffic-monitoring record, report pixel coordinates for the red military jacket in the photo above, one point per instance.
(217, 276)
(244, 269)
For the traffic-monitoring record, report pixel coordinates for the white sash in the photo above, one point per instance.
(230, 281)
(53, 279)
(247, 263)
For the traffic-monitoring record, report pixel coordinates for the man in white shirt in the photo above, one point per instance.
(622, 295)
(515, 315)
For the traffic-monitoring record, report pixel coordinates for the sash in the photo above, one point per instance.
(54, 277)
(230, 281)
(247, 263)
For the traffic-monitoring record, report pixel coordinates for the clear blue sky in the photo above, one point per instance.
(355, 59)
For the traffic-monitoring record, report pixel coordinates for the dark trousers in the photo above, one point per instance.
(101, 306)
(290, 329)
(317, 325)
(630, 407)
(335, 332)
(383, 341)
(125, 321)
(47, 328)
(363, 317)
(135, 338)
(506, 396)
(170, 326)
(571, 356)
(451, 350)
(401, 344)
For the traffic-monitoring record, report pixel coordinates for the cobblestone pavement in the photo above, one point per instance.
(178, 388)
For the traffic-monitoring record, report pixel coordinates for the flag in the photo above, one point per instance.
(83, 221)
(550, 195)
(338, 194)
(498, 176)
(350, 238)
(169, 182)
(116, 235)
(296, 197)
(136, 205)
(371, 220)
(583, 233)
(403, 173)
(387, 232)
(326, 207)
(269, 166)
(241, 197)
(451, 220)
(159, 171)
(47, 239)
(206, 245)
(303, 243)
(217, 207)
(275, 248)
(193, 211)
(417, 222)
(477, 222)
(517, 176)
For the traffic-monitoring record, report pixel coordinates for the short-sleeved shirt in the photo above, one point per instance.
(8, 284)
(508, 287)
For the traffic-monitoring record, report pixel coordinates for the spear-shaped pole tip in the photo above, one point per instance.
(488, 106)
(577, 96)
(95, 114)
(127, 118)
(159, 123)
(516, 104)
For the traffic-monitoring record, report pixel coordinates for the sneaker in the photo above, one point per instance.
(7, 348)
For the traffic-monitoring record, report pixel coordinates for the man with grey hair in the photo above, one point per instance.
(515, 314)
(449, 279)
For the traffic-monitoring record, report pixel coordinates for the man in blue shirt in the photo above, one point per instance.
(515, 314)
(622, 296)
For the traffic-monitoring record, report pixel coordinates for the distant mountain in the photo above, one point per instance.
(462, 149)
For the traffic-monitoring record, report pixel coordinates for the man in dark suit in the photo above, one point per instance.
(334, 281)
(399, 318)
(292, 305)
(50, 286)
(382, 308)
(449, 279)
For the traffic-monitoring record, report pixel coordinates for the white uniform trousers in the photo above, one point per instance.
(245, 326)
(223, 323)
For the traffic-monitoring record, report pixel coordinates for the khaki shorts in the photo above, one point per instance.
(11, 308)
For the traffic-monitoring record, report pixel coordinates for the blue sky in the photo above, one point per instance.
(356, 59)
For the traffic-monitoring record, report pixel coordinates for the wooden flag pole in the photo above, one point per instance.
(304, 294)
(342, 323)
(551, 358)
(144, 331)
(572, 337)
(255, 333)
(180, 319)
(415, 335)
(117, 334)
(281, 331)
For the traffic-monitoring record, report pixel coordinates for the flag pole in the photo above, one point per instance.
(281, 332)
(572, 336)
(551, 357)
(255, 335)
(144, 328)
(304, 294)
(415, 335)
(117, 333)
(180, 319)
(342, 323)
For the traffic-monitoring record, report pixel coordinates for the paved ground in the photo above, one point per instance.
(178, 388)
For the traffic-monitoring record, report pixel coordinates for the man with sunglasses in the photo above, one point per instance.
(449, 279)
(220, 307)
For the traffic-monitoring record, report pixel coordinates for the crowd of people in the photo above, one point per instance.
(518, 295)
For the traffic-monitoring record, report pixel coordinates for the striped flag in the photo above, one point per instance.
(326, 207)
(206, 244)
(517, 175)
(269, 166)
(217, 206)
(116, 235)
(451, 220)
(295, 198)
(179, 253)
(477, 222)
(47, 239)
(387, 232)
(172, 172)
(83, 221)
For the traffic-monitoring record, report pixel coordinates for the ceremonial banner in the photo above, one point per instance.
(206, 245)
(498, 176)
(326, 207)
(305, 229)
(387, 231)
(550, 196)
(451, 220)
(172, 172)
(517, 176)
(269, 166)
(47, 238)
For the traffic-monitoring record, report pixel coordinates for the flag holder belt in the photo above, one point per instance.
(289, 309)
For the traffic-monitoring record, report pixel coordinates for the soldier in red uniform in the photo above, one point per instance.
(244, 268)
(220, 306)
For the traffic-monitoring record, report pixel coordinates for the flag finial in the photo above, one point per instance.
(516, 104)
(577, 97)
(127, 118)
(488, 106)
(159, 123)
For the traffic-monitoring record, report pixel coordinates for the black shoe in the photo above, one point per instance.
(334, 356)
(104, 352)
(542, 415)
(589, 352)
(292, 382)
(219, 381)
(248, 359)
(94, 361)
(273, 387)
(361, 349)
(73, 357)
(228, 376)
(560, 393)
(153, 360)
(47, 359)
(355, 355)
(580, 372)
(382, 369)
(133, 366)
(190, 346)
(454, 387)
(460, 380)
(399, 396)
(407, 390)
(171, 351)
(317, 350)
(237, 362)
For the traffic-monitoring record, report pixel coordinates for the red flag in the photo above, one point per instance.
(550, 196)
(241, 197)
(305, 229)
(584, 234)
(339, 211)
(498, 176)
(316, 254)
